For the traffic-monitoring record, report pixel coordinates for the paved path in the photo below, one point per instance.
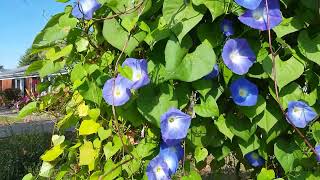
(8, 112)
(26, 128)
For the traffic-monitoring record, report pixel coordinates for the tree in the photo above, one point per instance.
(28, 58)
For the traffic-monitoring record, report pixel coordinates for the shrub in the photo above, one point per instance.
(12, 94)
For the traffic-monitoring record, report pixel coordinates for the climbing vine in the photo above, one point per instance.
(173, 89)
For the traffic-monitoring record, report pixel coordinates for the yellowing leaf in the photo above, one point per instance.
(52, 154)
(87, 153)
(83, 110)
(88, 127)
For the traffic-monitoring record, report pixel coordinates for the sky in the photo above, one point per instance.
(21, 21)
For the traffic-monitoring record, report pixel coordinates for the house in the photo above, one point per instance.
(16, 78)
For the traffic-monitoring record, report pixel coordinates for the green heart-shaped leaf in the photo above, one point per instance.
(200, 153)
(286, 71)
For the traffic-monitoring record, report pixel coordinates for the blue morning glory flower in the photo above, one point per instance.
(139, 72)
(257, 18)
(121, 91)
(244, 92)
(300, 113)
(174, 126)
(85, 9)
(214, 73)
(238, 56)
(317, 148)
(226, 27)
(254, 159)
(249, 4)
(157, 169)
(171, 155)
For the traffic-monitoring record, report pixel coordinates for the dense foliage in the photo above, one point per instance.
(205, 76)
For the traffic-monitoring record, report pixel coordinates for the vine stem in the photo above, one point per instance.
(116, 122)
(274, 73)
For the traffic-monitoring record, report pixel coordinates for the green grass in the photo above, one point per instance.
(9, 120)
(20, 154)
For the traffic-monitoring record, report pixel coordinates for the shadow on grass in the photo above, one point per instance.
(20, 154)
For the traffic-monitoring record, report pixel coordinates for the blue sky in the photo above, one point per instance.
(21, 21)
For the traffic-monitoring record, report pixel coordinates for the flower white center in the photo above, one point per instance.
(226, 28)
(259, 14)
(243, 92)
(297, 112)
(87, 5)
(159, 172)
(235, 57)
(255, 156)
(174, 122)
(136, 75)
(117, 91)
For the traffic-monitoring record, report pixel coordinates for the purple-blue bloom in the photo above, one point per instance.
(139, 72)
(214, 73)
(317, 148)
(257, 18)
(254, 159)
(226, 27)
(121, 91)
(85, 9)
(300, 113)
(177, 149)
(238, 56)
(244, 92)
(171, 155)
(249, 4)
(174, 126)
(157, 169)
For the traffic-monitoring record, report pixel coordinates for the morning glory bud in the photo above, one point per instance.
(317, 148)
(300, 114)
(171, 155)
(157, 169)
(118, 95)
(214, 73)
(244, 92)
(226, 27)
(174, 126)
(257, 18)
(249, 4)
(238, 56)
(254, 159)
(139, 72)
(85, 9)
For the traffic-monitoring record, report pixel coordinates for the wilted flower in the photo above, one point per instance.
(226, 27)
(171, 155)
(214, 73)
(300, 114)
(244, 92)
(258, 18)
(254, 159)
(118, 95)
(249, 4)
(317, 148)
(174, 126)
(157, 169)
(139, 72)
(85, 9)
(238, 56)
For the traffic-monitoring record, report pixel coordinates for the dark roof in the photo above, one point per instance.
(20, 73)
(16, 73)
